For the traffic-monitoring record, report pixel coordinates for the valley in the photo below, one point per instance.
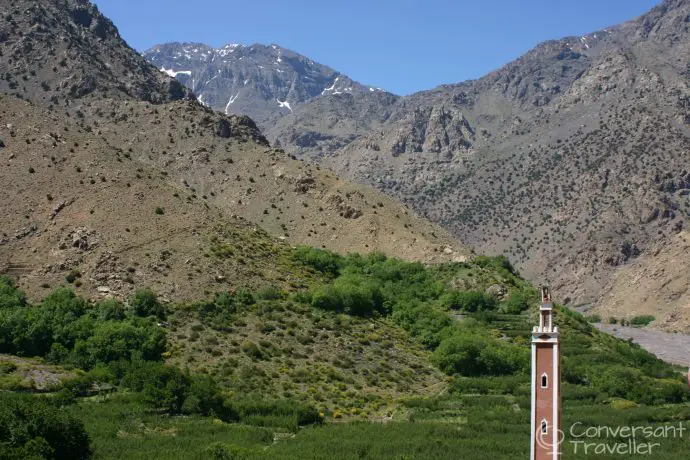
(240, 253)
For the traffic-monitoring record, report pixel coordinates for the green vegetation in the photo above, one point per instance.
(641, 320)
(32, 427)
(593, 318)
(249, 367)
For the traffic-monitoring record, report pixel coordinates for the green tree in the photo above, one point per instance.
(468, 301)
(161, 386)
(324, 261)
(352, 294)
(119, 340)
(517, 302)
(145, 303)
(10, 296)
(31, 427)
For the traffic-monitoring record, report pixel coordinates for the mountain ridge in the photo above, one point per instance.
(306, 107)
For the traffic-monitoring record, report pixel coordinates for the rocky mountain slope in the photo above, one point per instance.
(303, 106)
(126, 182)
(573, 159)
(64, 50)
(656, 284)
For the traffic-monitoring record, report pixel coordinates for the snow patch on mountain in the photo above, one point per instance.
(230, 102)
(174, 74)
(285, 104)
(331, 88)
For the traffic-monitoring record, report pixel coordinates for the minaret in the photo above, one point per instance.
(546, 385)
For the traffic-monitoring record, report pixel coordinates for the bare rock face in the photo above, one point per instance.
(223, 128)
(343, 208)
(83, 239)
(304, 184)
(498, 291)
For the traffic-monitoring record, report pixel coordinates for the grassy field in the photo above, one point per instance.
(452, 426)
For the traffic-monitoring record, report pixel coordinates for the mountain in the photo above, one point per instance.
(301, 105)
(572, 160)
(117, 177)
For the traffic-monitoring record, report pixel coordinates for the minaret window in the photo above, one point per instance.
(544, 381)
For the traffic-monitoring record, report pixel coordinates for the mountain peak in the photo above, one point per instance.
(262, 81)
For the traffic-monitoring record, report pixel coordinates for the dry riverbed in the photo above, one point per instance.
(671, 347)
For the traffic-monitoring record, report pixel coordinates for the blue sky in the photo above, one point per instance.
(402, 46)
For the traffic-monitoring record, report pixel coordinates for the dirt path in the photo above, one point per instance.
(672, 348)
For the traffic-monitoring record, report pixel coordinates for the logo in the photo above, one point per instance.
(606, 440)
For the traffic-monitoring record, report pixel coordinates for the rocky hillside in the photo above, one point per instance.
(655, 283)
(131, 184)
(59, 51)
(303, 106)
(573, 159)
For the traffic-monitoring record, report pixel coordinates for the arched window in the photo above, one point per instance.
(544, 427)
(544, 380)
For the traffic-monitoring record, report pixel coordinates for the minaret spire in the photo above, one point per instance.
(546, 380)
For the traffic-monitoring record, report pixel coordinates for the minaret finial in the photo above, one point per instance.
(545, 294)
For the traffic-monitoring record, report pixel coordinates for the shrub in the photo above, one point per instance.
(252, 350)
(622, 404)
(244, 296)
(221, 451)
(225, 301)
(593, 319)
(642, 320)
(72, 276)
(160, 211)
(269, 292)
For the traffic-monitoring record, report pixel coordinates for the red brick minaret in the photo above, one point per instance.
(546, 385)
